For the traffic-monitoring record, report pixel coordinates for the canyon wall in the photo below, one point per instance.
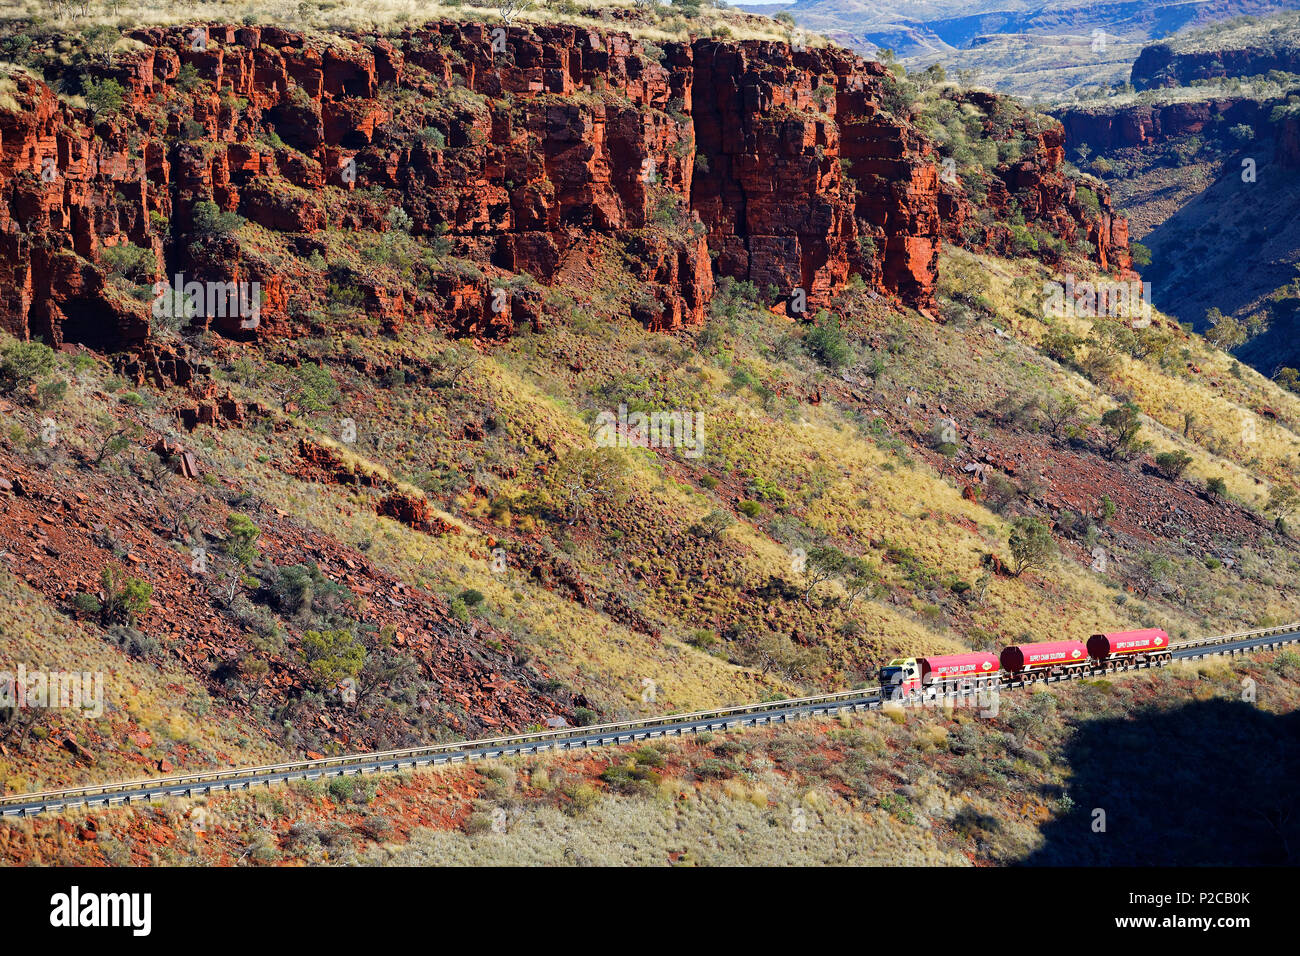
(510, 153)
(1143, 125)
(1161, 66)
(1149, 124)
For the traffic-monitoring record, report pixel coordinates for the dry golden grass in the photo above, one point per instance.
(331, 16)
(1230, 438)
(170, 706)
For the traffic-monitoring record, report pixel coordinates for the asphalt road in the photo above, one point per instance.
(870, 699)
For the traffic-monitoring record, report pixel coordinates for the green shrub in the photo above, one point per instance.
(51, 392)
(826, 343)
(712, 525)
(1088, 199)
(1172, 464)
(302, 591)
(209, 220)
(87, 604)
(133, 642)
(22, 364)
(1031, 545)
(432, 137)
(101, 96)
(125, 597)
(332, 656)
(132, 262)
(241, 534)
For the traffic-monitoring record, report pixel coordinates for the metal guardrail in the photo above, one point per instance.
(566, 738)
(1237, 636)
(513, 740)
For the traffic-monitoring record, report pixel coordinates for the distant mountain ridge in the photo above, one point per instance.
(993, 37)
(1203, 156)
(958, 24)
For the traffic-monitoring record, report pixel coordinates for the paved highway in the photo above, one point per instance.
(784, 711)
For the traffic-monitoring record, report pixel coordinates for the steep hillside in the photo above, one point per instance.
(390, 474)
(1207, 172)
(1159, 753)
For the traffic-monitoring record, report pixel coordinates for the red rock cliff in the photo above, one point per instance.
(748, 159)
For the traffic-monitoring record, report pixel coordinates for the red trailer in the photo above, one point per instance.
(1047, 656)
(948, 667)
(1150, 643)
(906, 676)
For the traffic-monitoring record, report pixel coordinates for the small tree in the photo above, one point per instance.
(586, 477)
(1031, 545)
(209, 220)
(509, 9)
(1061, 345)
(1288, 378)
(241, 534)
(821, 564)
(115, 442)
(454, 363)
(18, 723)
(125, 597)
(102, 96)
(1122, 425)
(1060, 414)
(777, 652)
(1172, 464)
(1282, 503)
(713, 524)
(861, 579)
(1153, 573)
(1225, 332)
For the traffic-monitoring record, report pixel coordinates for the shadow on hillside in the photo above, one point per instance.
(1230, 244)
(1208, 783)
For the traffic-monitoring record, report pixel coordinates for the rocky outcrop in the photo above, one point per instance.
(742, 159)
(1160, 65)
(1139, 126)
(1036, 187)
(803, 165)
(1149, 124)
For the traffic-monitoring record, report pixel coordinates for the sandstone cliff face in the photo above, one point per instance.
(748, 160)
(1144, 125)
(1037, 187)
(1159, 65)
(803, 166)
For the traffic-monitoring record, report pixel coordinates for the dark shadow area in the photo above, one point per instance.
(1231, 248)
(88, 323)
(1207, 783)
